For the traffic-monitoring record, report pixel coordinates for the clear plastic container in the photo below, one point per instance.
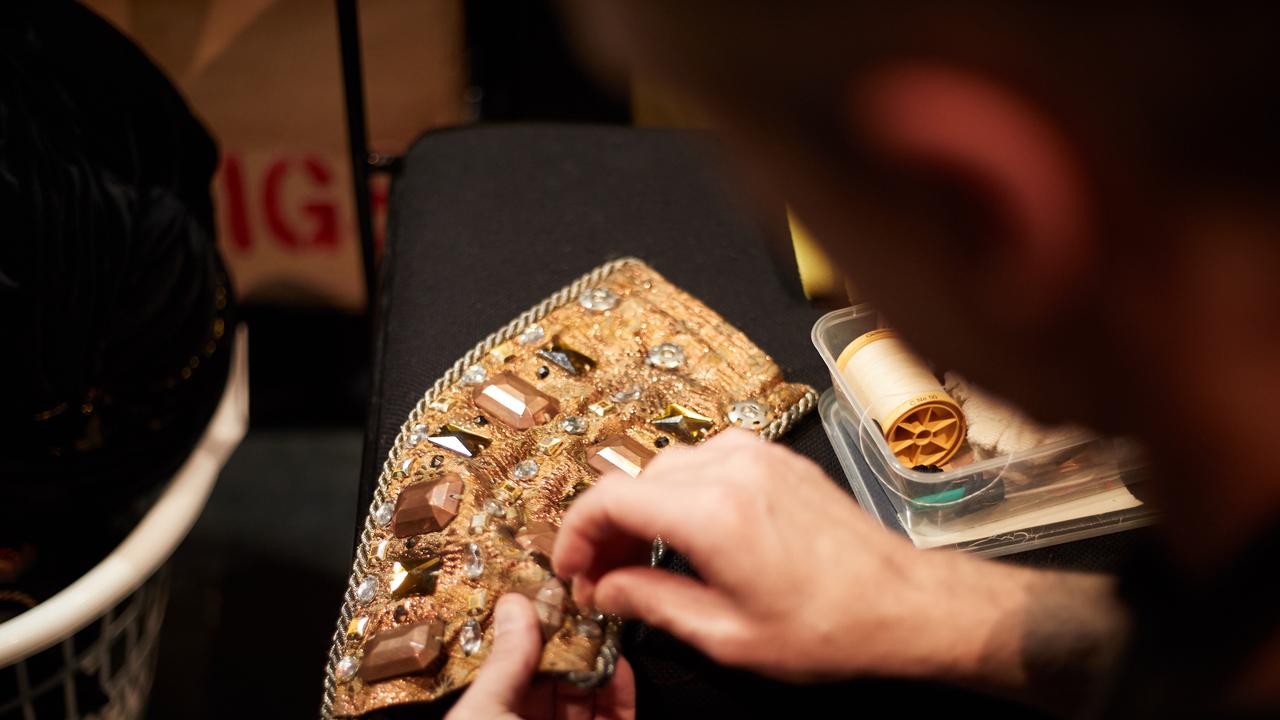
(1070, 489)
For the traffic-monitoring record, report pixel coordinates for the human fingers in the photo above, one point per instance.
(504, 678)
(574, 703)
(616, 519)
(539, 703)
(617, 700)
(688, 609)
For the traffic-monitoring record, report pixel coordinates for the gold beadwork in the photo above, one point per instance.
(649, 311)
(357, 627)
(550, 445)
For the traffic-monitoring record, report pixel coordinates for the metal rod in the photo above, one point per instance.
(357, 136)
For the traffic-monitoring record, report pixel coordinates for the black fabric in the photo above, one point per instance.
(485, 222)
(1180, 622)
(109, 275)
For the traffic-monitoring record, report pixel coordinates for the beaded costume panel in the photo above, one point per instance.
(599, 377)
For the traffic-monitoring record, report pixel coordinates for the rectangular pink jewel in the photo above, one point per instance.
(618, 452)
(514, 402)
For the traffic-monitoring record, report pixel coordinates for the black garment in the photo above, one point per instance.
(110, 281)
(1192, 638)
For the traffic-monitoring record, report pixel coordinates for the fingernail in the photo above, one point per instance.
(562, 564)
(505, 616)
(603, 602)
(583, 590)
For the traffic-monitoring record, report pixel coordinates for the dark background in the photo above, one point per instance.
(259, 581)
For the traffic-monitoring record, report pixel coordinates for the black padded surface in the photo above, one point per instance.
(486, 221)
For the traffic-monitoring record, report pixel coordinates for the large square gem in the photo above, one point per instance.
(618, 452)
(514, 402)
(401, 651)
(427, 506)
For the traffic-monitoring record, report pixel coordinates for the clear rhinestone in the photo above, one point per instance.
(415, 438)
(471, 637)
(525, 469)
(550, 593)
(667, 356)
(474, 565)
(440, 406)
(493, 507)
(588, 628)
(749, 414)
(420, 429)
(478, 521)
(406, 465)
(367, 588)
(474, 375)
(346, 668)
(531, 335)
(382, 515)
(598, 299)
(631, 393)
(548, 602)
(574, 425)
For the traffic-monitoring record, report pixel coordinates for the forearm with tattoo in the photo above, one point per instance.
(1070, 633)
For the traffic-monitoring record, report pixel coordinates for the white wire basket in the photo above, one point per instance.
(90, 650)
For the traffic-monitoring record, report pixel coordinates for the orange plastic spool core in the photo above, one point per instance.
(922, 424)
(926, 436)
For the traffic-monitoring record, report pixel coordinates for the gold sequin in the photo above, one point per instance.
(550, 445)
(357, 627)
(602, 408)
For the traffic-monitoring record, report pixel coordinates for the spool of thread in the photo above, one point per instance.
(922, 424)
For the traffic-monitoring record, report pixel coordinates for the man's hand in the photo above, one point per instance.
(796, 581)
(503, 690)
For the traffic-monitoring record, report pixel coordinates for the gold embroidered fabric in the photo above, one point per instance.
(599, 377)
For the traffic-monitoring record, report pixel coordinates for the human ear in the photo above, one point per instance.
(1004, 158)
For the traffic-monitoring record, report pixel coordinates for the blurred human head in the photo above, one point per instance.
(1068, 204)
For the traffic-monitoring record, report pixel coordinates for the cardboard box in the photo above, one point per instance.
(265, 77)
